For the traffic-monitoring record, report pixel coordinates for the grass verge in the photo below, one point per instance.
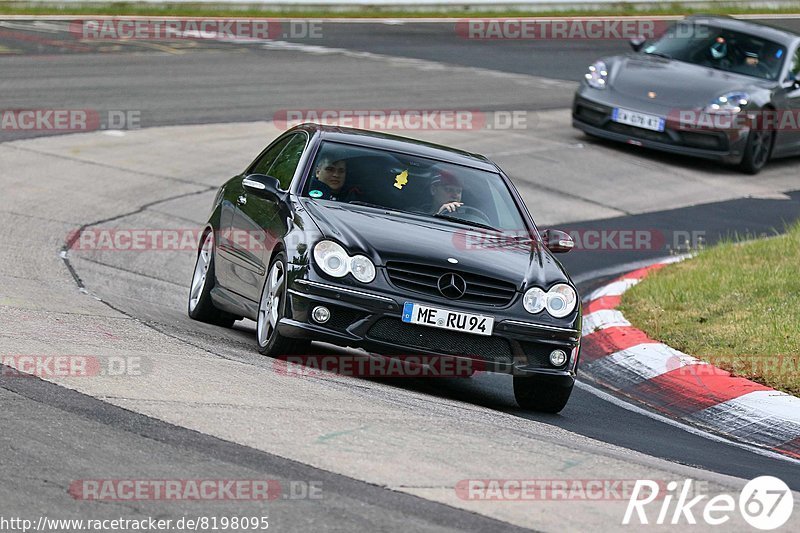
(735, 305)
(205, 10)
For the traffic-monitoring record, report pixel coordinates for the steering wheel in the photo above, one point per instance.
(475, 213)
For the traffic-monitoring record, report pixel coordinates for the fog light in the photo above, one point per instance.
(322, 314)
(558, 357)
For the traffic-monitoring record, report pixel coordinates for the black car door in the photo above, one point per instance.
(257, 225)
(787, 140)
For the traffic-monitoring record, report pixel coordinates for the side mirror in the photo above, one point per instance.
(557, 241)
(792, 82)
(263, 186)
(637, 43)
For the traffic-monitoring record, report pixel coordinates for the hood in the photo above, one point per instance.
(676, 84)
(392, 236)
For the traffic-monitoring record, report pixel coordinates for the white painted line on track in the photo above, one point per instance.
(689, 429)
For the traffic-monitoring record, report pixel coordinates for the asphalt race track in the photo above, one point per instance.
(383, 454)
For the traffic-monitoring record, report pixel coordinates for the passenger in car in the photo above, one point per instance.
(329, 180)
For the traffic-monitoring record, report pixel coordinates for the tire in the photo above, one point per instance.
(200, 305)
(757, 150)
(540, 395)
(271, 308)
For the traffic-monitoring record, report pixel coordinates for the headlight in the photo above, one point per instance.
(334, 261)
(534, 300)
(728, 103)
(559, 301)
(362, 268)
(597, 76)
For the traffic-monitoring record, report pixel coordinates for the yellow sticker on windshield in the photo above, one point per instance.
(401, 179)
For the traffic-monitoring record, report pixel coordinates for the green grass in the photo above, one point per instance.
(736, 305)
(204, 10)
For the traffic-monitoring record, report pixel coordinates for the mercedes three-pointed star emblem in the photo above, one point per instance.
(452, 286)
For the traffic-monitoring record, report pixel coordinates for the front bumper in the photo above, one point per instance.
(371, 319)
(593, 116)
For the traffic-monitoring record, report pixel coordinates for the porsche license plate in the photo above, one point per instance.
(446, 319)
(640, 120)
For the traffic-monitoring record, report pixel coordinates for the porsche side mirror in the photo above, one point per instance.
(263, 186)
(557, 241)
(637, 43)
(791, 82)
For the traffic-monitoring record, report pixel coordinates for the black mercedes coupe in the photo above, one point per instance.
(711, 87)
(395, 246)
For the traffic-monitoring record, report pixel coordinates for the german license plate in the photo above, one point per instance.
(640, 120)
(446, 319)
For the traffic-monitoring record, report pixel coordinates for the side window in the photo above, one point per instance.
(265, 160)
(796, 63)
(284, 166)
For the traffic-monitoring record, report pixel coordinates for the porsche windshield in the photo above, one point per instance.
(400, 182)
(721, 49)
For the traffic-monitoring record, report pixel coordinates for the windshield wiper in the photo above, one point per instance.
(466, 222)
(376, 206)
(659, 54)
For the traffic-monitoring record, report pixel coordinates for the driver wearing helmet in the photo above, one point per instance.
(446, 192)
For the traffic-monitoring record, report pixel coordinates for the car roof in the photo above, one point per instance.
(396, 143)
(778, 35)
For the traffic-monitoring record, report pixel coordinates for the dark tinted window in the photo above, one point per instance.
(284, 166)
(721, 49)
(414, 184)
(265, 160)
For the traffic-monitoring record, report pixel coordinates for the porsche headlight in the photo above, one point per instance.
(732, 102)
(334, 261)
(559, 301)
(597, 76)
(362, 268)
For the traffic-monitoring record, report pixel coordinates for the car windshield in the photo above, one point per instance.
(361, 176)
(721, 49)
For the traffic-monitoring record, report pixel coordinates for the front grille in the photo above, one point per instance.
(392, 330)
(424, 279)
(639, 133)
(592, 116)
(708, 140)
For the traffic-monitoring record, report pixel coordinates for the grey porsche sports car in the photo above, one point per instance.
(711, 87)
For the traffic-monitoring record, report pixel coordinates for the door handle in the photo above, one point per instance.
(241, 200)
